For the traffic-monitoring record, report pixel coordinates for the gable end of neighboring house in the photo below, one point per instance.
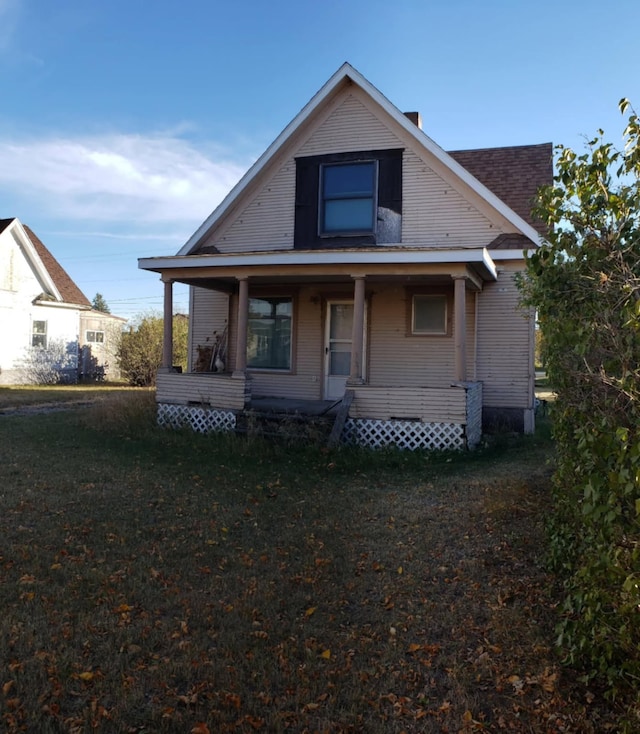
(41, 307)
(357, 255)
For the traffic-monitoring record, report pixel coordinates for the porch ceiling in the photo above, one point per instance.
(223, 271)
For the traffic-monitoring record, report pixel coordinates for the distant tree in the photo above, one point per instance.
(140, 350)
(99, 304)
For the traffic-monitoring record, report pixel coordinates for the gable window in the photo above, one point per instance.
(348, 198)
(269, 333)
(429, 314)
(39, 334)
(95, 337)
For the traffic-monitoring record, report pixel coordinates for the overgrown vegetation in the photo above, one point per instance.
(585, 284)
(140, 350)
(50, 365)
(170, 582)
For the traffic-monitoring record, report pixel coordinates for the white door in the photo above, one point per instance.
(337, 349)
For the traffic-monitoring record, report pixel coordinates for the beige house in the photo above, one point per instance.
(358, 258)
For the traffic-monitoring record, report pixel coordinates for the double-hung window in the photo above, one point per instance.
(348, 198)
(39, 334)
(269, 333)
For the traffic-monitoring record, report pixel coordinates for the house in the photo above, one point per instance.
(41, 308)
(357, 258)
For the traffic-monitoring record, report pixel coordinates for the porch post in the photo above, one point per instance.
(243, 318)
(167, 337)
(357, 336)
(460, 312)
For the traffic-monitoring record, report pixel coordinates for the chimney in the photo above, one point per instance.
(415, 117)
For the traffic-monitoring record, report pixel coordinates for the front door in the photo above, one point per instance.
(337, 349)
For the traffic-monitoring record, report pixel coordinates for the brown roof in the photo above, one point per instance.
(513, 174)
(68, 289)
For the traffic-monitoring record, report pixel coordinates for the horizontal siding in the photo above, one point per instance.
(504, 363)
(218, 391)
(209, 315)
(266, 223)
(351, 126)
(396, 358)
(424, 404)
(434, 214)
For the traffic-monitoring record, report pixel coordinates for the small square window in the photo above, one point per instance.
(429, 314)
(348, 198)
(95, 336)
(39, 334)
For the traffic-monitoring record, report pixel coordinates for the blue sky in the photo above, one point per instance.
(123, 123)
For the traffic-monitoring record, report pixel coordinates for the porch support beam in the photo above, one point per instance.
(460, 327)
(243, 318)
(167, 336)
(357, 336)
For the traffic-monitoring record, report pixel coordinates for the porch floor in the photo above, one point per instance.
(292, 406)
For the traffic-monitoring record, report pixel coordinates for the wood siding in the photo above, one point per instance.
(434, 213)
(505, 334)
(398, 358)
(209, 314)
(429, 405)
(217, 391)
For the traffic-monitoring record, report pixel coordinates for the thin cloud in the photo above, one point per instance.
(117, 178)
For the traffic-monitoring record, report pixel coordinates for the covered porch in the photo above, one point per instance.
(413, 404)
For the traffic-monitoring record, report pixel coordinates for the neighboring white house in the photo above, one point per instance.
(41, 307)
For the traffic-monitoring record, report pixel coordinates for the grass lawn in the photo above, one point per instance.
(156, 581)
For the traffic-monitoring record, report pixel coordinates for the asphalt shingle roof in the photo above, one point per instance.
(513, 174)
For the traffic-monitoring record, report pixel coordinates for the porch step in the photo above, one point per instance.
(286, 427)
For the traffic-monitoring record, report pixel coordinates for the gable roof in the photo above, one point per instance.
(514, 174)
(346, 74)
(64, 287)
(68, 289)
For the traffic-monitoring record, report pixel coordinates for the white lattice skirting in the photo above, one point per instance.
(202, 420)
(403, 434)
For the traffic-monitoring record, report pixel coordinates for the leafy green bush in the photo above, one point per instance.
(585, 284)
(140, 350)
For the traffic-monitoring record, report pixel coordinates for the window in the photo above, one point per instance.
(39, 334)
(269, 333)
(95, 336)
(429, 314)
(348, 203)
(348, 199)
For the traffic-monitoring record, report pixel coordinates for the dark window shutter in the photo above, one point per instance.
(306, 214)
(390, 182)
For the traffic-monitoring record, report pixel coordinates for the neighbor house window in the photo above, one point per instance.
(269, 333)
(95, 336)
(348, 198)
(39, 334)
(429, 314)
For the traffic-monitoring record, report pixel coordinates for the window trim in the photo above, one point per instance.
(292, 347)
(448, 314)
(322, 199)
(35, 333)
(95, 332)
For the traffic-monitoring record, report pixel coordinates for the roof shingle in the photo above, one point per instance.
(514, 174)
(68, 289)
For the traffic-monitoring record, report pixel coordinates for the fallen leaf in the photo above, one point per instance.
(326, 654)
(310, 611)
